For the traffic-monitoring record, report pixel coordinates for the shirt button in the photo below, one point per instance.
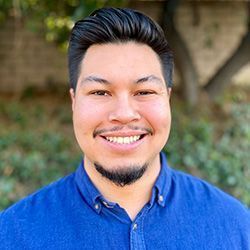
(135, 226)
(105, 203)
(160, 198)
(96, 206)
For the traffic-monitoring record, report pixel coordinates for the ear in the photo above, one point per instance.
(72, 97)
(169, 91)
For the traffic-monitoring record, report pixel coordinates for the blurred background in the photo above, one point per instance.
(210, 135)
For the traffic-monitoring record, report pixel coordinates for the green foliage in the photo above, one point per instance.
(34, 151)
(216, 152)
(5, 7)
(55, 18)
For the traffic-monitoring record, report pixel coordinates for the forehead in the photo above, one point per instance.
(120, 60)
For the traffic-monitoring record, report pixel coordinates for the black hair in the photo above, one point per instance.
(115, 25)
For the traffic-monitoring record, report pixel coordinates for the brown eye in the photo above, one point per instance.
(100, 93)
(144, 92)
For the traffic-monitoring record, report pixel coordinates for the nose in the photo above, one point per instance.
(124, 111)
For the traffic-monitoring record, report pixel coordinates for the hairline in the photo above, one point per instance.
(118, 42)
(109, 22)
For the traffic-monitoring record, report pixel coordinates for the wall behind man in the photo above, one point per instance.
(211, 29)
(27, 60)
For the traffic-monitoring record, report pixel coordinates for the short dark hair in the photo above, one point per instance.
(115, 25)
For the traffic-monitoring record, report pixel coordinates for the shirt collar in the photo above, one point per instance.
(90, 193)
(94, 198)
(163, 182)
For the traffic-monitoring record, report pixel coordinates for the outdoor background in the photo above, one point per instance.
(210, 134)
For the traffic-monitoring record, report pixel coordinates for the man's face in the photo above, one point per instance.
(121, 111)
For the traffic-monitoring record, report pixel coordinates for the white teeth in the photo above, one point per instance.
(120, 140)
(123, 140)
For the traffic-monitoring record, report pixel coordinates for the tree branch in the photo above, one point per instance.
(239, 58)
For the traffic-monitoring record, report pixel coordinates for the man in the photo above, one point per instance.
(123, 195)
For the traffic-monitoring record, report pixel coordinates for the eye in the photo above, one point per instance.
(145, 92)
(100, 93)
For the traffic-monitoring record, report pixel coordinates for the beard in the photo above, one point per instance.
(122, 176)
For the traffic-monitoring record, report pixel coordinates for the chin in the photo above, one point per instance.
(122, 175)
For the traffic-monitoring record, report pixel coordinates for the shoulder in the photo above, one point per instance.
(37, 204)
(206, 197)
(209, 212)
(34, 218)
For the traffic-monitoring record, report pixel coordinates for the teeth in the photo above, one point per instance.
(123, 140)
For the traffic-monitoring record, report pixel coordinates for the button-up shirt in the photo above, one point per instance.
(184, 212)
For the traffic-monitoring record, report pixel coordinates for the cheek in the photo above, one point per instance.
(158, 115)
(87, 115)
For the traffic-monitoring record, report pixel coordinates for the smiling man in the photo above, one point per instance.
(123, 194)
(122, 94)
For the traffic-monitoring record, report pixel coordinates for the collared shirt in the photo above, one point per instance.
(184, 212)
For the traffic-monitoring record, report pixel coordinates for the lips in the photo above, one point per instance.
(120, 138)
(122, 141)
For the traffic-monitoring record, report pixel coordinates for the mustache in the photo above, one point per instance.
(120, 128)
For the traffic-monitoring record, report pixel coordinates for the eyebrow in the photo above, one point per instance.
(94, 79)
(150, 78)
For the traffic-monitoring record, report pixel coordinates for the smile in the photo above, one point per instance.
(124, 140)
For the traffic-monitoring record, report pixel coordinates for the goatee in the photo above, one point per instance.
(122, 176)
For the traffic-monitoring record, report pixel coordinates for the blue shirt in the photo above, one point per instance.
(183, 213)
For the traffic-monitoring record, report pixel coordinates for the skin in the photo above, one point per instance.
(121, 92)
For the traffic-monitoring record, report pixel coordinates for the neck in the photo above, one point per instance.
(130, 197)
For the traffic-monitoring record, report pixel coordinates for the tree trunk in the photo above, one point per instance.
(222, 78)
(239, 58)
(182, 56)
